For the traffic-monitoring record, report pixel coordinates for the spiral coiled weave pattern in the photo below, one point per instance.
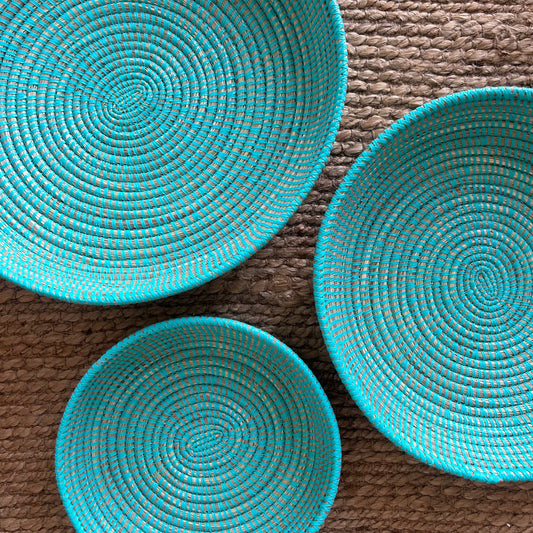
(148, 146)
(424, 283)
(198, 424)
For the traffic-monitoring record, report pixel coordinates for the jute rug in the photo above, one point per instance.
(402, 53)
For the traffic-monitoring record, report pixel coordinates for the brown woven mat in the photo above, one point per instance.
(402, 53)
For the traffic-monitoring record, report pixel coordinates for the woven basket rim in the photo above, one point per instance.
(327, 228)
(134, 294)
(262, 336)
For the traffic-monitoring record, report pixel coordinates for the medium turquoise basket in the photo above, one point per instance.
(147, 147)
(424, 283)
(196, 425)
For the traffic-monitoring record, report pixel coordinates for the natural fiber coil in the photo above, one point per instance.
(424, 283)
(148, 146)
(198, 424)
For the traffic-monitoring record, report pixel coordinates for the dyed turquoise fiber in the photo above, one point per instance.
(423, 283)
(198, 425)
(147, 147)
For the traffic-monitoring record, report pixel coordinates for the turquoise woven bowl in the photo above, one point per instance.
(423, 282)
(198, 425)
(147, 147)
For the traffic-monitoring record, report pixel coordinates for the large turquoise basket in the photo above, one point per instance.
(424, 283)
(147, 147)
(198, 425)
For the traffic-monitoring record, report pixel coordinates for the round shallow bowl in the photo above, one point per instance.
(423, 280)
(147, 147)
(198, 424)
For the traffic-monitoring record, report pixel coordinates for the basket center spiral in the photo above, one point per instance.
(211, 441)
(207, 442)
(485, 283)
(131, 100)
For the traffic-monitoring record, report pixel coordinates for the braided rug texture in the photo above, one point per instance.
(401, 55)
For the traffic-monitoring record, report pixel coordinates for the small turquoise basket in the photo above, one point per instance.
(147, 147)
(424, 283)
(195, 425)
